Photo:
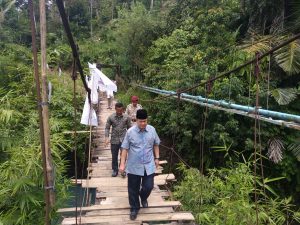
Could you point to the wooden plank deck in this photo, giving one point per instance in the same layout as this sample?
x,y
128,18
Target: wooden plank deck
x,y
149,217
112,207
160,204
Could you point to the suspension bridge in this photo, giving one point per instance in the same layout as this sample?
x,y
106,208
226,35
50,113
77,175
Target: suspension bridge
x,y
111,198
111,203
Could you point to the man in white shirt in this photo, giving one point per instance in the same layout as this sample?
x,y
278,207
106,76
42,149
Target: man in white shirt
x,y
110,96
133,107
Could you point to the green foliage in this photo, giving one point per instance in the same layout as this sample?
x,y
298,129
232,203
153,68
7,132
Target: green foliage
x,y
284,96
295,149
288,58
9,118
22,186
60,56
78,13
174,45
14,22
96,51
190,51
184,58
261,13
201,46
225,196
14,67
131,34
22,195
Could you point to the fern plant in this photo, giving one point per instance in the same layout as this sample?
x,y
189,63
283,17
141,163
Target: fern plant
x,y
295,149
288,57
284,96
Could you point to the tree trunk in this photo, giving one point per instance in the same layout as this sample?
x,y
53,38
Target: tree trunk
x,y
112,9
91,20
242,5
151,4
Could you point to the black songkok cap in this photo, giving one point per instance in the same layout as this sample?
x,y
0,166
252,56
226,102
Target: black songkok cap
x,y
141,114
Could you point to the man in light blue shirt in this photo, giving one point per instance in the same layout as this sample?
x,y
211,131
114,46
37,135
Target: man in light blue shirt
x,y
141,148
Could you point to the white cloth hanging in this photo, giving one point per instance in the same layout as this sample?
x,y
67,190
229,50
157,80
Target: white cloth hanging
x,y
104,83
93,85
98,80
102,87
109,94
89,116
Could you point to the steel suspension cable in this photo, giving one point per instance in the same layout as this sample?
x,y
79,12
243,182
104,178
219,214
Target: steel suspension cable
x,y
89,158
268,80
255,134
175,131
179,157
261,159
74,78
250,80
202,139
73,46
86,191
200,142
249,87
82,196
203,133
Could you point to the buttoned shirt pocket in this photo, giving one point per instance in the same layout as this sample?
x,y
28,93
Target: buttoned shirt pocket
x,y
150,140
136,142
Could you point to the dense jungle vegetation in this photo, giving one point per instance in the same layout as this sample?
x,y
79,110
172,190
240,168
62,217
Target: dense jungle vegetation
x,y
167,44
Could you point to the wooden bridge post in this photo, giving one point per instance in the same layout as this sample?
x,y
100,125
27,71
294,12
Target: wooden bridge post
x,y
47,158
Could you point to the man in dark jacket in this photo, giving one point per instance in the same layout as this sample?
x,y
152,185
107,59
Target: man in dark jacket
x,y
119,122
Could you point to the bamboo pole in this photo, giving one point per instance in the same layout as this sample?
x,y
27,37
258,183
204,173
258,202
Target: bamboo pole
x,y
44,104
39,98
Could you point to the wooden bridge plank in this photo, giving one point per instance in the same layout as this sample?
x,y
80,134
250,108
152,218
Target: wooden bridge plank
x,y
119,206
109,163
127,212
118,181
124,189
102,194
107,173
99,168
141,217
153,199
